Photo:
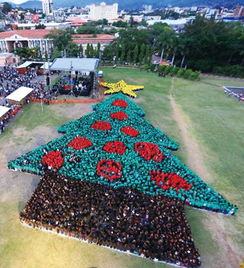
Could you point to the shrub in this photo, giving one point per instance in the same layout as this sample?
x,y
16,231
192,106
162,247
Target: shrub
x,y
187,74
181,72
175,70
161,68
168,69
231,70
195,75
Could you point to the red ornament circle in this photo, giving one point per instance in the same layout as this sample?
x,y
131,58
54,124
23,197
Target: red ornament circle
x,y
119,115
117,147
130,131
149,151
53,159
120,103
101,125
169,180
79,143
109,169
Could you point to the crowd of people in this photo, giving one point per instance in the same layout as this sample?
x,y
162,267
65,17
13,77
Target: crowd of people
x,y
75,86
13,110
154,227
10,80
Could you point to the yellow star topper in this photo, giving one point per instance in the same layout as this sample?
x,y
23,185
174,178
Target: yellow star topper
x,y
121,86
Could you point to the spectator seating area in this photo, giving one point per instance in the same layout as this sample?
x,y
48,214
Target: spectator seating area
x,y
237,92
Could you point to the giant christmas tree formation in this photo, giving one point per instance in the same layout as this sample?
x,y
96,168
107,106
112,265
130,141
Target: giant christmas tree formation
x,y
112,179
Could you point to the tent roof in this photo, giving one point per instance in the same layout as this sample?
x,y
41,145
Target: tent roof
x,y
3,110
45,65
28,63
25,64
19,94
75,64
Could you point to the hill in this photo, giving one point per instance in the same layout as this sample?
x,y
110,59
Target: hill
x,y
124,4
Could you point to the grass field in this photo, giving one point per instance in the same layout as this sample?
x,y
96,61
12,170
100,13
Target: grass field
x,y
209,128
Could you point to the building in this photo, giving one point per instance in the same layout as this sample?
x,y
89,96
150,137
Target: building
x,y
147,9
10,40
47,7
239,12
8,59
238,15
146,18
103,11
176,25
136,18
48,25
84,39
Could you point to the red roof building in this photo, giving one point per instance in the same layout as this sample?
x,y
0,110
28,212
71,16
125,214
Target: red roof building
x,y
10,40
84,39
32,34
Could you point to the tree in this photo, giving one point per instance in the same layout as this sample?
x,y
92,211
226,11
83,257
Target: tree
x,y
98,51
108,53
27,53
40,26
122,54
148,55
88,29
88,50
212,44
129,56
117,52
131,37
91,51
120,23
56,53
60,38
6,8
72,50
102,22
142,53
135,54
81,51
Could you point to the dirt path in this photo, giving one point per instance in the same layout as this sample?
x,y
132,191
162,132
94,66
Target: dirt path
x,y
229,254
192,148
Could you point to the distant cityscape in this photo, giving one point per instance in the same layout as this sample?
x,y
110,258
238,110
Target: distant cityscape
x,y
48,18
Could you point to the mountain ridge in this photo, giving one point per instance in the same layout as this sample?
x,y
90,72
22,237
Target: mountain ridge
x,y
125,4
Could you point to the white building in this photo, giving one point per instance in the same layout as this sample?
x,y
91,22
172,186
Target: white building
x,y
47,7
11,40
176,25
48,25
136,18
103,11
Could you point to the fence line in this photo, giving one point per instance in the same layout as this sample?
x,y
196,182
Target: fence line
x,y
65,100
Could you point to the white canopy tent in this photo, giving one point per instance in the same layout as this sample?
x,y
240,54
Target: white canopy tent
x,y
3,110
27,64
46,65
19,94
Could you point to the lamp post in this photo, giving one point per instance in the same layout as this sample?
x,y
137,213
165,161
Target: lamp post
x,y
48,74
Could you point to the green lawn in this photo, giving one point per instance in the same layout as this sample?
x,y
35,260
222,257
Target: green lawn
x,y
215,123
